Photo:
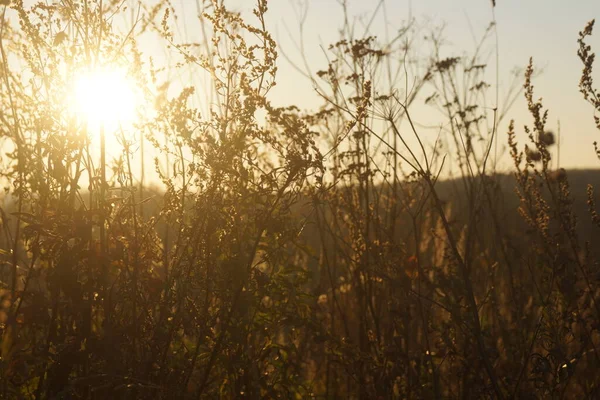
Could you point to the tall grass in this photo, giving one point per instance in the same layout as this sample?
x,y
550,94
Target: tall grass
x,y
284,253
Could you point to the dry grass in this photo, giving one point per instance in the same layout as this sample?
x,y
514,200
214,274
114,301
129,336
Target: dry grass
x,y
317,255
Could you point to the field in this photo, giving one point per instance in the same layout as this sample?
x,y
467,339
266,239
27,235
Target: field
x,y
170,232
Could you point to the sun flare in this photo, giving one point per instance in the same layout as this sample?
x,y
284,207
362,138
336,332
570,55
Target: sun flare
x,y
104,97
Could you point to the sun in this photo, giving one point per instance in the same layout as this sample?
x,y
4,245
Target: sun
x,y
104,97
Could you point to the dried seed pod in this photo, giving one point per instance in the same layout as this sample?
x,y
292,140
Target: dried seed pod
x,y
558,175
532,155
547,138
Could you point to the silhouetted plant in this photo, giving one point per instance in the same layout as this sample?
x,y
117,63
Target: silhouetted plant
x,y
283,253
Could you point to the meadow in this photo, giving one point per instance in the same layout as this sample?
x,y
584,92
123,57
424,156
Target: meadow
x,y
210,243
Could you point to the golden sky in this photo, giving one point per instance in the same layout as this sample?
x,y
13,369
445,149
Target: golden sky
x,y
546,30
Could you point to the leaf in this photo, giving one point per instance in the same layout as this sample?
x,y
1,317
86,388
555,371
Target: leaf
x,y
59,38
7,340
26,217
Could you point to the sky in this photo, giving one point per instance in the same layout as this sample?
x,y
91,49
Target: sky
x,y
546,30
